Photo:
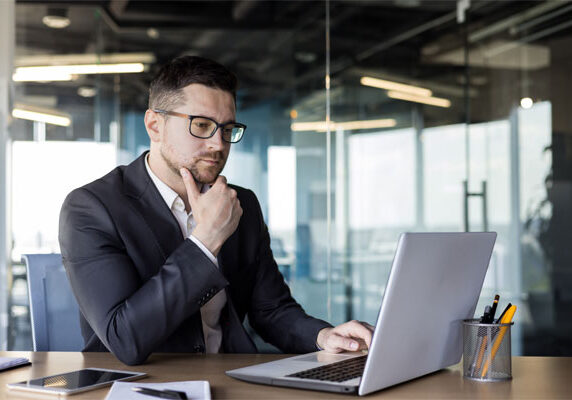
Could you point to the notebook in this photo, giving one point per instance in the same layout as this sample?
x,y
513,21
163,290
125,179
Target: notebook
x,y
13,362
193,389
433,285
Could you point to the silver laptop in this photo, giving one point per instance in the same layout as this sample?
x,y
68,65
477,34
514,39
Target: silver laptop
x,y
434,284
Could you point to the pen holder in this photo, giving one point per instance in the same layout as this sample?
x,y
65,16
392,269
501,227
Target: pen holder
x,y
486,351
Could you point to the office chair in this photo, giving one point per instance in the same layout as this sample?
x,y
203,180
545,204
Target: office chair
x,y
53,308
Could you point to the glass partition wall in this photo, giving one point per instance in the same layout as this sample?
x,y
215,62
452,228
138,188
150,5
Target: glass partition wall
x,y
472,136
365,120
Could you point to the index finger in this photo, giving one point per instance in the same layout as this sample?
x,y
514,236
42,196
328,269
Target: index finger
x,y
190,184
357,330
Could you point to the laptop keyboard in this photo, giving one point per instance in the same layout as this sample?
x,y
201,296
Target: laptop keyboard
x,y
340,371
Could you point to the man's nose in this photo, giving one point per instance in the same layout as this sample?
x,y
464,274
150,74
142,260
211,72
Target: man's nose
x,y
215,142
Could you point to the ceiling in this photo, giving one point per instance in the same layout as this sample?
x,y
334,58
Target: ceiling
x,y
277,48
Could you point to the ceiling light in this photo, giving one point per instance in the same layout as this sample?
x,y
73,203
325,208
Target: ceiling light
x,y
56,18
30,76
389,85
86,69
433,101
86,91
320,126
38,115
305,57
366,124
526,102
153,33
32,60
50,72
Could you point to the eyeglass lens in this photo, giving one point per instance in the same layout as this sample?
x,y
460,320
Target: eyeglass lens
x,y
204,128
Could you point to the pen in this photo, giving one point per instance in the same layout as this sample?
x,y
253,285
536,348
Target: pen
x,y
493,309
506,319
162,394
486,314
481,344
499,319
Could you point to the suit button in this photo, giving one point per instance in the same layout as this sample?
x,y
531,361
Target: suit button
x,y
199,349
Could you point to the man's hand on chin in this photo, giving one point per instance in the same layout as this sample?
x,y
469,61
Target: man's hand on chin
x,y
349,336
217,212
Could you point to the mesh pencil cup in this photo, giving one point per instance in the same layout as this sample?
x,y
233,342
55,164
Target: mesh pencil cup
x,y
486,351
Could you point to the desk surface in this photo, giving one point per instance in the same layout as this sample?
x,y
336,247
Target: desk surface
x,y
534,377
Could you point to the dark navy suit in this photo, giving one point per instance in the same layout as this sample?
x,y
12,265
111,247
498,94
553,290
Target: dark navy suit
x,y
140,285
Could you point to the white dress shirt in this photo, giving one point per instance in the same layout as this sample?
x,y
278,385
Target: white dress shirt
x,y
210,312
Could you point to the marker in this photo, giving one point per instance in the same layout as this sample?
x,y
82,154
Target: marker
x,y
486,314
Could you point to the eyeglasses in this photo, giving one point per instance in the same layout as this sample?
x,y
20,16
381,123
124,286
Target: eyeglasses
x,y
205,127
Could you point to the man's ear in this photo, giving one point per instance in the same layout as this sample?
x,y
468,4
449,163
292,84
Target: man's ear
x,y
153,125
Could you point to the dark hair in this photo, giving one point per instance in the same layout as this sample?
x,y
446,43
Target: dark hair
x,y
166,87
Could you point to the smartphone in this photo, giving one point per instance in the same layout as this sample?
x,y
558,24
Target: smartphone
x,y
75,381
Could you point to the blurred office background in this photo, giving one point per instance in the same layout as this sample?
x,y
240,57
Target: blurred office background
x,y
479,138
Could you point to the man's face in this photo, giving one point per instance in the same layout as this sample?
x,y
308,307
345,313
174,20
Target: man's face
x,y
205,158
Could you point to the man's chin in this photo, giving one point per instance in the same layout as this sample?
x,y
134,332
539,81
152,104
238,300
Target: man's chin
x,y
205,178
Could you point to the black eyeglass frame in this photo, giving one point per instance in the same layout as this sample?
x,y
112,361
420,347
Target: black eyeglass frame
x,y
217,125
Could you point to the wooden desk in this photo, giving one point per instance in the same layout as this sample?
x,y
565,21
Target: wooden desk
x,y
534,377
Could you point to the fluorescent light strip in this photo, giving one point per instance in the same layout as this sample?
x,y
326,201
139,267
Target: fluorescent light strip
x,y
44,73
84,69
82,59
366,124
26,76
320,126
433,101
41,117
400,87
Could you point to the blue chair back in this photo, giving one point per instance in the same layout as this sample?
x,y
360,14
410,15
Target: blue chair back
x,y
53,308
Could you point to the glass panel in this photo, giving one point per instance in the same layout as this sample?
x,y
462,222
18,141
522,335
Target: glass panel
x,y
377,161
405,162
504,132
517,65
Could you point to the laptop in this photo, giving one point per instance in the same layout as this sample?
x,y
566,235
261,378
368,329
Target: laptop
x,y
434,284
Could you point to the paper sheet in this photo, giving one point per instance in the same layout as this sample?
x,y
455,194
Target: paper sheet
x,y
11,362
193,389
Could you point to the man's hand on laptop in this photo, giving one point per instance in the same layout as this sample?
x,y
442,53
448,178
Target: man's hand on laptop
x,y
349,336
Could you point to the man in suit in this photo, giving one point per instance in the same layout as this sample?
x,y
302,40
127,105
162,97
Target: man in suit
x,y
164,256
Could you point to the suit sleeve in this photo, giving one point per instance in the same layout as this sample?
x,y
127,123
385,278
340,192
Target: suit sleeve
x,y
130,316
274,313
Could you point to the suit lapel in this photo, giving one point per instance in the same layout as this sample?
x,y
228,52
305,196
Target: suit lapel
x,y
147,200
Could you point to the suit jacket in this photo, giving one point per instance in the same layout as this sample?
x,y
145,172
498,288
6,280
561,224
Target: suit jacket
x,y
140,285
